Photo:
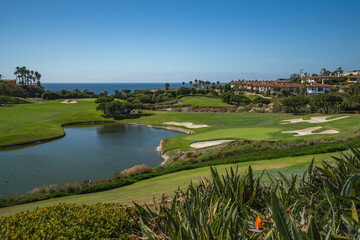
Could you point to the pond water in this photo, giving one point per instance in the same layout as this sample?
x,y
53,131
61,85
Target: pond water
x,y
85,153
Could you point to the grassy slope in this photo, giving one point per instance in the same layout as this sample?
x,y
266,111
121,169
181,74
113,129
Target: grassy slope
x,y
202,102
245,126
30,122
143,191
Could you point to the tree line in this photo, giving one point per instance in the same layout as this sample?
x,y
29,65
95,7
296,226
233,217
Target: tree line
x,y
26,76
325,103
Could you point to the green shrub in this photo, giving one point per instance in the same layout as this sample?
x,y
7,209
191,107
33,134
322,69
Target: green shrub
x,y
50,95
70,221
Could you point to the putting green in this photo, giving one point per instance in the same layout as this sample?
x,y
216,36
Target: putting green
x,y
235,133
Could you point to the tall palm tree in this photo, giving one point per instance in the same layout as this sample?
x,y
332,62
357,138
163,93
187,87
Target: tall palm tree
x,y
0,76
323,72
339,70
28,77
167,85
191,83
16,73
38,76
183,83
23,75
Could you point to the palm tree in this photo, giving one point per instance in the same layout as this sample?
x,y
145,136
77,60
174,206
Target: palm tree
x,y
16,73
167,85
207,83
339,70
191,83
0,76
27,77
183,83
323,72
37,77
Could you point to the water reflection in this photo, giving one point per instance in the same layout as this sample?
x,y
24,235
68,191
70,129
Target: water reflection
x,y
93,152
111,129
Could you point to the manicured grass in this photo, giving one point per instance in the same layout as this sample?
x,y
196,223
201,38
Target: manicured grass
x,y
29,122
202,102
144,191
251,97
247,126
237,133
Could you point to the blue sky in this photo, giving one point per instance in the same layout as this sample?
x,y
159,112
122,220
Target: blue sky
x,y
175,41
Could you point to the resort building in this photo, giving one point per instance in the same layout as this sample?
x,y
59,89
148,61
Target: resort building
x,y
353,73
353,78
316,88
275,87
317,79
8,81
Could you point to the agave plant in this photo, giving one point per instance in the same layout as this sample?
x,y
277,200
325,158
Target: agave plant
x,y
322,204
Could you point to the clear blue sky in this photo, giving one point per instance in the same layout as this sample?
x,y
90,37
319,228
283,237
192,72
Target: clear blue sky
x,y
177,40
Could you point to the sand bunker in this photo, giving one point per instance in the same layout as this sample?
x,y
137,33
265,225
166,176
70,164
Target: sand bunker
x,y
186,124
208,143
309,131
314,119
68,101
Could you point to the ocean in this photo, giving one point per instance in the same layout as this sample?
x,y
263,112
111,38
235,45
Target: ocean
x,y
110,87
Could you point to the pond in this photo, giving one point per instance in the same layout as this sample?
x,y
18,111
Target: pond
x,y
85,153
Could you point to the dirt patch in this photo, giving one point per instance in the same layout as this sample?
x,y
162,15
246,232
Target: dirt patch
x,y
186,124
314,119
68,101
309,131
208,143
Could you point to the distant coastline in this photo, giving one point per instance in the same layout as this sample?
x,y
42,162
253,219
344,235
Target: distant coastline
x,y
110,87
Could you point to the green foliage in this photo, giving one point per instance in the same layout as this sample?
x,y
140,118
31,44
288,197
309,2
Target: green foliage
x,y
295,104
329,102
199,101
12,100
352,98
261,101
13,90
185,91
104,98
116,109
235,99
76,93
336,81
70,221
235,206
50,95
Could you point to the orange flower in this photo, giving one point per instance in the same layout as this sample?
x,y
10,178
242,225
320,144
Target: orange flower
x,y
258,222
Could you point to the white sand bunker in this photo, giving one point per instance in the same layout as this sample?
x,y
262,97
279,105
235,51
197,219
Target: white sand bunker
x,y
186,124
314,119
68,101
309,131
208,143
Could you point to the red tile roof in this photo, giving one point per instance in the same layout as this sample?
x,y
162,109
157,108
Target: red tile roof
x,y
333,76
319,85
